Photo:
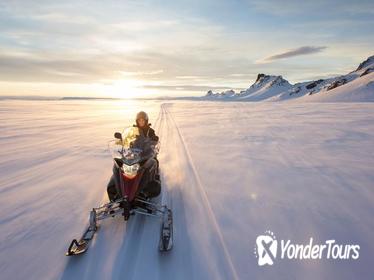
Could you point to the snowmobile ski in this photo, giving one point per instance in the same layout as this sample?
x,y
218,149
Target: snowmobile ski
x,y
166,237
81,246
115,208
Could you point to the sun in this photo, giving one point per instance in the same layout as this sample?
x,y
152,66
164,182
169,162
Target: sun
x,y
124,88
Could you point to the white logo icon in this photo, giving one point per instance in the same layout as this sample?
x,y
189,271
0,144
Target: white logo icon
x,y
266,248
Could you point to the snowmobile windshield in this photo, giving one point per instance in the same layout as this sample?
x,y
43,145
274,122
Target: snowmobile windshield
x,y
134,147
129,136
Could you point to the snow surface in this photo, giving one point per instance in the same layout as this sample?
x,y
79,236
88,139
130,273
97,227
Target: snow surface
x,y
230,171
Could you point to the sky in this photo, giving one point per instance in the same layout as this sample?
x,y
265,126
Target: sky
x,y
156,48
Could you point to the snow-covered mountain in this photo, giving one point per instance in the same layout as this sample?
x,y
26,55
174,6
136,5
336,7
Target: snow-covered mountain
x,y
358,85
265,87
358,90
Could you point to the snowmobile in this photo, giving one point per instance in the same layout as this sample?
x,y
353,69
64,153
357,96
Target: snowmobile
x,y
131,190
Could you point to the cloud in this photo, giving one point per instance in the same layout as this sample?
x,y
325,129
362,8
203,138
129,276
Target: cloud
x,y
92,42
305,50
187,87
321,7
85,65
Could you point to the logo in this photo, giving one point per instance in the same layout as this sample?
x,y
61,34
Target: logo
x,y
266,248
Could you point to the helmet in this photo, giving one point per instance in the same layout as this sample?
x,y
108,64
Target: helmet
x,y
142,115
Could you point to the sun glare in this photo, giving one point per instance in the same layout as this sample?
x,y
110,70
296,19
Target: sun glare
x,y
124,89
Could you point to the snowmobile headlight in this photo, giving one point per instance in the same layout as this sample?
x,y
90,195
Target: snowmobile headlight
x,y
130,171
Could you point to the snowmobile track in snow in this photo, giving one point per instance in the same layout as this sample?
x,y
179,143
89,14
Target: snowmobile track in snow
x,y
200,193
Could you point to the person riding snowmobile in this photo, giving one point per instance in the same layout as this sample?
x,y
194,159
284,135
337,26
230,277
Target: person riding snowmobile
x,y
133,185
145,128
153,187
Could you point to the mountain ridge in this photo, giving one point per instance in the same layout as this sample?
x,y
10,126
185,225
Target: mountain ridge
x,y
276,88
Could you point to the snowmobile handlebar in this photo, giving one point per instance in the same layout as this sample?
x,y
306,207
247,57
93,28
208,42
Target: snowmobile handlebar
x,y
118,135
